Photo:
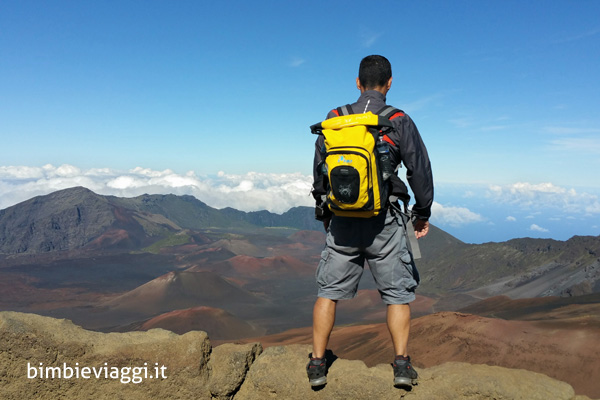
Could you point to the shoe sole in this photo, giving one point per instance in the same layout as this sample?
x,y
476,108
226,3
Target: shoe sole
x,y
318,382
404,382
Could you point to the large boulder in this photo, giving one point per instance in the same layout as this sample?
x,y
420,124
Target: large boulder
x,y
280,373
169,365
229,363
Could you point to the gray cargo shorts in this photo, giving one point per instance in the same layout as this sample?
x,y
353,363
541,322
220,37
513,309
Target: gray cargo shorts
x,y
381,242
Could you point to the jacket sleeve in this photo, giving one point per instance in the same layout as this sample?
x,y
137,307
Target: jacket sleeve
x,y
409,149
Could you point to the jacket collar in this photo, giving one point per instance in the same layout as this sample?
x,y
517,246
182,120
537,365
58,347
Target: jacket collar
x,y
371,95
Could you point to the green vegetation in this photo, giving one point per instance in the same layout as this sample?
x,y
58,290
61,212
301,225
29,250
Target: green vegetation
x,y
176,239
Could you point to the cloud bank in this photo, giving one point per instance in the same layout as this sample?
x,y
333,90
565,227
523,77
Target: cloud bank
x,y
249,192
545,196
453,216
275,192
252,191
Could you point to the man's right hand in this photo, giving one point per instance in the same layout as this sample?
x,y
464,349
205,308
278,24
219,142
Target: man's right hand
x,y
421,228
326,222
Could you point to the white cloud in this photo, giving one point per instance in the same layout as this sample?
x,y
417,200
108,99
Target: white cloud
x,y
568,130
297,61
453,216
544,195
492,128
251,191
577,144
582,35
20,172
511,218
462,122
422,102
576,139
593,207
537,228
368,37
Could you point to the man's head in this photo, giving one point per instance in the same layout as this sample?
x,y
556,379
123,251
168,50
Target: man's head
x,y
374,73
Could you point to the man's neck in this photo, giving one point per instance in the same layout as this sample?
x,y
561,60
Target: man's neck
x,y
381,89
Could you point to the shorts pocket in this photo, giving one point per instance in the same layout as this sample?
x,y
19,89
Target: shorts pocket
x,y
410,266
322,269
406,257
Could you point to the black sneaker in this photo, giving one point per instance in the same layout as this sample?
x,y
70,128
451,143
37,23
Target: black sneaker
x,y
317,371
405,375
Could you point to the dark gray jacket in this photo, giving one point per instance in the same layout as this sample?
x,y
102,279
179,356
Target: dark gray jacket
x,y
407,149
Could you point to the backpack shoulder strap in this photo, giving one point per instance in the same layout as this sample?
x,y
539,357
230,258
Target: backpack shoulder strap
x,y
317,129
390,112
344,110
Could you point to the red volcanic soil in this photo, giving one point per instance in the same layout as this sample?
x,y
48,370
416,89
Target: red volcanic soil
x,y
118,238
368,307
239,247
198,255
422,305
248,267
218,323
182,289
308,237
270,266
583,310
565,352
19,292
570,353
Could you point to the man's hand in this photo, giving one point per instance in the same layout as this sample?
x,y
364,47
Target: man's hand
x,y
421,228
326,222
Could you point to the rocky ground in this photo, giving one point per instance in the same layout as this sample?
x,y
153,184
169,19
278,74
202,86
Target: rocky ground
x,y
186,366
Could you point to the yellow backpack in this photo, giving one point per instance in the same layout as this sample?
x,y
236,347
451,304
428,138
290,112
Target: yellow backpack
x,y
355,161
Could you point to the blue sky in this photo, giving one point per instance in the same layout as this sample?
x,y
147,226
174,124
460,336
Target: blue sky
x,y
215,99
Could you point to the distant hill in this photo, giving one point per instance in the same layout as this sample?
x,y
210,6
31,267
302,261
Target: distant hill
x,y
183,289
576,310
65,220
77,218
221,324
518,268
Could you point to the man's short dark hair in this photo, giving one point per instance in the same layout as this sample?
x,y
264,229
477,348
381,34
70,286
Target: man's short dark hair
x,y
374,71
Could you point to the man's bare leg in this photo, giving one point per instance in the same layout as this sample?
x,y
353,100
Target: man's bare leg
x,y
398,322
323,321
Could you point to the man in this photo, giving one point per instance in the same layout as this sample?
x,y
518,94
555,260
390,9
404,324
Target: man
x,y
380,240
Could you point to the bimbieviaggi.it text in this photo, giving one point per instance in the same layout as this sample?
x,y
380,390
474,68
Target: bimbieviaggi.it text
x,y
123,374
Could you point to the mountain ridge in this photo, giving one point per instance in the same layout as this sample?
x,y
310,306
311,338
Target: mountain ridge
x,y
76,222
75,218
